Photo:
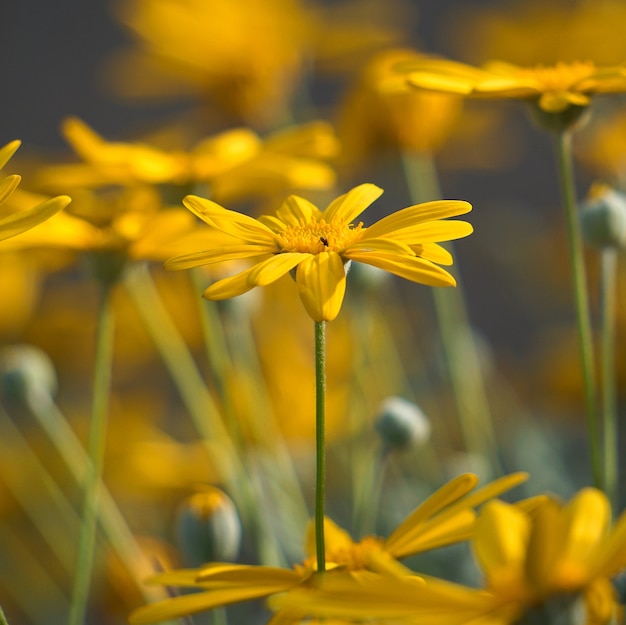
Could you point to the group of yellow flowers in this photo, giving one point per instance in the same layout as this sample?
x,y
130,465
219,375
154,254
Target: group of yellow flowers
x,y
542,561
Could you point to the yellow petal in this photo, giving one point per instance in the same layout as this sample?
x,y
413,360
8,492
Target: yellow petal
x,y
350,205
434,252
440,499
296,211
500,545
7,151
381,245
233,223
408,267
414,215
321,281
230,287
85,141
19,222
198,602
275,267
234,575
431,603
8,185
335,538
432,232
586,523
217,255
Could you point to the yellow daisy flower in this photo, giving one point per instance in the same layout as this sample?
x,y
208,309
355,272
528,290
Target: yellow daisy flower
x,y
236,163
444,518
319,245
554,87
540,563
16,222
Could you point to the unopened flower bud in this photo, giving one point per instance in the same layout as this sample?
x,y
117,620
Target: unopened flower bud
x,y
26,370
208,528
603,217
402,424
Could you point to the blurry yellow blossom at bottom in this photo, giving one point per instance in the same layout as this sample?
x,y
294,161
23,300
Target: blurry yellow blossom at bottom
x,y
318,245
16,222
444,518
552,559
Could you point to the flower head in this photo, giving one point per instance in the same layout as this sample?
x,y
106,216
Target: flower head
x,y
444,518
554,87
16,222
319,245
537,560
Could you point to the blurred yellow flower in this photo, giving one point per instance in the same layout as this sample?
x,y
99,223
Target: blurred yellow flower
x,y
526,32
372,118
320,244
553,560
19,221
555,88
444,518
246,57
236,163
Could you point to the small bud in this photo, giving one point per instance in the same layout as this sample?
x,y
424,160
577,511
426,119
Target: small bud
x,y
603,217
26,370
402,424
208,528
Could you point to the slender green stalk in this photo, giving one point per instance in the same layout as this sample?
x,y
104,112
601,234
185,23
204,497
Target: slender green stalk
x,y
111,519
3,619
320,447
201,406
457,339
607,355
96,447
563,145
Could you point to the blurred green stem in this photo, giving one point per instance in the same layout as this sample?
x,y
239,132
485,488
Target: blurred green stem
x,y
607,346
563,146
200,404
3,619
320,447
457,339
71,450
96,447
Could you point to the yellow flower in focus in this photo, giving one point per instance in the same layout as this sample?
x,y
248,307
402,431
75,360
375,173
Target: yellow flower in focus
x,y
318,245
372,117
17,222
551,562
555,88
444,518
236,163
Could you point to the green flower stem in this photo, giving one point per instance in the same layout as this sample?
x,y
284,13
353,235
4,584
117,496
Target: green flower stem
x,y
457,339
563,145
96,448
200,404
607,355
3,619
40,497
320,447
113,523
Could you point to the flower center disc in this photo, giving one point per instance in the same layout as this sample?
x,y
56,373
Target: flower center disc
x,y
317,237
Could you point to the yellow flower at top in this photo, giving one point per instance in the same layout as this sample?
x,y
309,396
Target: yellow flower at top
x,y
446,517
555,88
539,563
319,245
371,118
244,57
17,222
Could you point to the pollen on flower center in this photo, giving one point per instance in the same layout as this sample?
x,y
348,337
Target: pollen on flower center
x,y
318,236
561,76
